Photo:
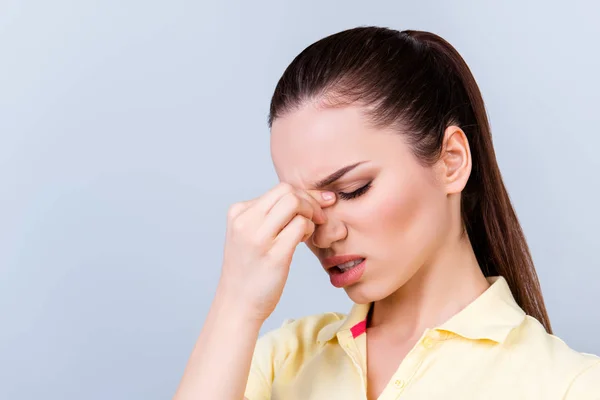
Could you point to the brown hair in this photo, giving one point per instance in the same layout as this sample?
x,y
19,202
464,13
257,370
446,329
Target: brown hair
x,y
418,82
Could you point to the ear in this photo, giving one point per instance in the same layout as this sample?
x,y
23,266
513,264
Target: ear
x,y
455,161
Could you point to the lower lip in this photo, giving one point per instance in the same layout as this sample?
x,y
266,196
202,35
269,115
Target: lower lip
x,y
342,279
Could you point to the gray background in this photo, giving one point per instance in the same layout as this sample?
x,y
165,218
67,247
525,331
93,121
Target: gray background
x,y
128,128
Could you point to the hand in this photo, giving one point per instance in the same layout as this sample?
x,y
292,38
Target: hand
x,y
262,235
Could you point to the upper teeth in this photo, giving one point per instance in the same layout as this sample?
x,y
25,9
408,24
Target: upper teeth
x,y
350,264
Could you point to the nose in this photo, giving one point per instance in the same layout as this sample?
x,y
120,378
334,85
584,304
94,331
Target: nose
x,y
330,232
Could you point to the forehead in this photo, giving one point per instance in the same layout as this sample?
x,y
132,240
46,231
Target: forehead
x,y
311,142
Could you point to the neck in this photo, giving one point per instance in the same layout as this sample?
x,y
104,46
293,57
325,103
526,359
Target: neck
x,y
440,289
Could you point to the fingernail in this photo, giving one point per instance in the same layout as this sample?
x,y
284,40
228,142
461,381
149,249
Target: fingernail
x,y
328,195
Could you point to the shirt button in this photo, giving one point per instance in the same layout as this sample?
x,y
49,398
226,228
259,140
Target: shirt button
x,y
399,383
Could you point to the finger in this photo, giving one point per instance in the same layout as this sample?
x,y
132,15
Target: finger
x,y
256,209
325,198
319,215
309,232
282,213
267,201
292,235
235,210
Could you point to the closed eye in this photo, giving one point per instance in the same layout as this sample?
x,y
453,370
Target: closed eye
x,y
356,193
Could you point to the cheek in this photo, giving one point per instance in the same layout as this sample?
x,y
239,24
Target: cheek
x,y
406,216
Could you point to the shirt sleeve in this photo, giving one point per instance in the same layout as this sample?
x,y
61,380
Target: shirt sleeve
x,y
265,362
260,379
586,385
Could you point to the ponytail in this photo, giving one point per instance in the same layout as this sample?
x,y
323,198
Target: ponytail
x,y
489,217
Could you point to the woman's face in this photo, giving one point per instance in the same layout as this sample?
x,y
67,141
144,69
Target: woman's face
x,y
390,209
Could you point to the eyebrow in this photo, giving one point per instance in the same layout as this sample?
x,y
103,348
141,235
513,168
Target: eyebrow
x,y
323,183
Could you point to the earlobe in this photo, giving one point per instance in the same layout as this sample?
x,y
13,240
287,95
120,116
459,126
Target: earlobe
x,y
456,159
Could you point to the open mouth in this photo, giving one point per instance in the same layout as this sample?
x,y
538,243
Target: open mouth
x,y
347,266
348,273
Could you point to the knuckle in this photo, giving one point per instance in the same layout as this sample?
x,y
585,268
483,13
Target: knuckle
x,y
306,222
257,241
309,230
293,202
302,222
286,187
238,225
234,210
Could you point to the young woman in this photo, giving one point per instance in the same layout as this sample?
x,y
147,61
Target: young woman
x,y
382,145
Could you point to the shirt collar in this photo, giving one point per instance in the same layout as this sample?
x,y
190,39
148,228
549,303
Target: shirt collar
x,y
357,315
491,316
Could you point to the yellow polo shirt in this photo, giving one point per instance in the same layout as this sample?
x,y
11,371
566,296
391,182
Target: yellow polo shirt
x,y
489,350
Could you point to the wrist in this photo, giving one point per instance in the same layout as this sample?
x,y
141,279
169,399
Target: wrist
x,y
228,304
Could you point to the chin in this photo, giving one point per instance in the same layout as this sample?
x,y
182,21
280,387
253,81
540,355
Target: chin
x,y
369,291
366,292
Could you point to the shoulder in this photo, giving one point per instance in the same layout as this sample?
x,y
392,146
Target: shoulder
x,y
586,384
297,335
550,359
534,339
283,351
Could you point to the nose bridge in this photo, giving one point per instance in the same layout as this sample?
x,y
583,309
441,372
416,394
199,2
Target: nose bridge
x,y
331,231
